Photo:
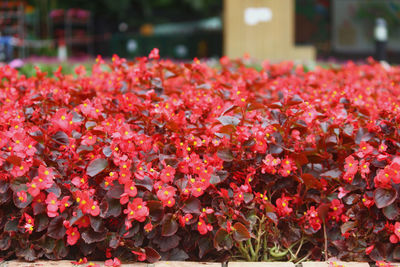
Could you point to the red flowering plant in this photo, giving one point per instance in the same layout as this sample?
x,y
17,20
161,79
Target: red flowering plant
x,y
151,159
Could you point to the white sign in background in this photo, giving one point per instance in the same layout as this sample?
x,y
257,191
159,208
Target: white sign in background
x,y
255,15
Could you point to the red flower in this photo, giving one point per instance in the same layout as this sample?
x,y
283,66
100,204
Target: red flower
x,y
312,219
80,261
367,201
94,209
364,168
282,206
148,227
22,196
203,228
33,189
137,210
336,209
167,174
88,139
154,54
369,249
166,195
29,223
364,150
113,262
383,177
141,255
269,164
198,189
64,203
52,205
130,189
183,220
72,235
351,165
62,119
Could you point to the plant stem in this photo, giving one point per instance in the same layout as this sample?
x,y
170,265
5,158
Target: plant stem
x,y
244,252
250,245
325,243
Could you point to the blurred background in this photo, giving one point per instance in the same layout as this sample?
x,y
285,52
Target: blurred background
x,y
183,29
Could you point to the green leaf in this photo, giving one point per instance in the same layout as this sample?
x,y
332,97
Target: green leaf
x,y
96,166
240,232
384,197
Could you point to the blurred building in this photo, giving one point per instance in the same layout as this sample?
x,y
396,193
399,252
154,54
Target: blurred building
x,y
184,29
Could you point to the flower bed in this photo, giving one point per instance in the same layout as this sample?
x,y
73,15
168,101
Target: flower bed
x,y
156,160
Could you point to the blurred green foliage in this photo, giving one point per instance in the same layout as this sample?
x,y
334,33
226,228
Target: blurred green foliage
x,y
137,12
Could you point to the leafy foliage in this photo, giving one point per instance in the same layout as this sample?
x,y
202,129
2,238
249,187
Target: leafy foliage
x,y
151,159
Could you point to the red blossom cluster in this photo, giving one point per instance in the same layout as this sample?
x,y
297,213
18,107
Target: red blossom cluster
x,y
154,159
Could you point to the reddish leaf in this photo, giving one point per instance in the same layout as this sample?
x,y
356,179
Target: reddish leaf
x,y
192,205
56,228
310,181
152,255
169,226
91,236
240,232
229,120
225,155
323,210
156,210
392,211
61,138
347,226
96,166
222,240
384,197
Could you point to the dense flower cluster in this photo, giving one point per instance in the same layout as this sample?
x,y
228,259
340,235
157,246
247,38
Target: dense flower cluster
x,y
152,159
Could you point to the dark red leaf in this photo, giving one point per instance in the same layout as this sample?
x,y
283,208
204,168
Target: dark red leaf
x,y
96,166
192,205
384,197
61,138
56,228
222,240
310,181
392,211
169,226
152,255
225,155
90,236
228,120
240,232
156,210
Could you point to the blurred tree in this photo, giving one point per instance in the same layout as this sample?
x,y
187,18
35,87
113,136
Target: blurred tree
x,y
137,12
